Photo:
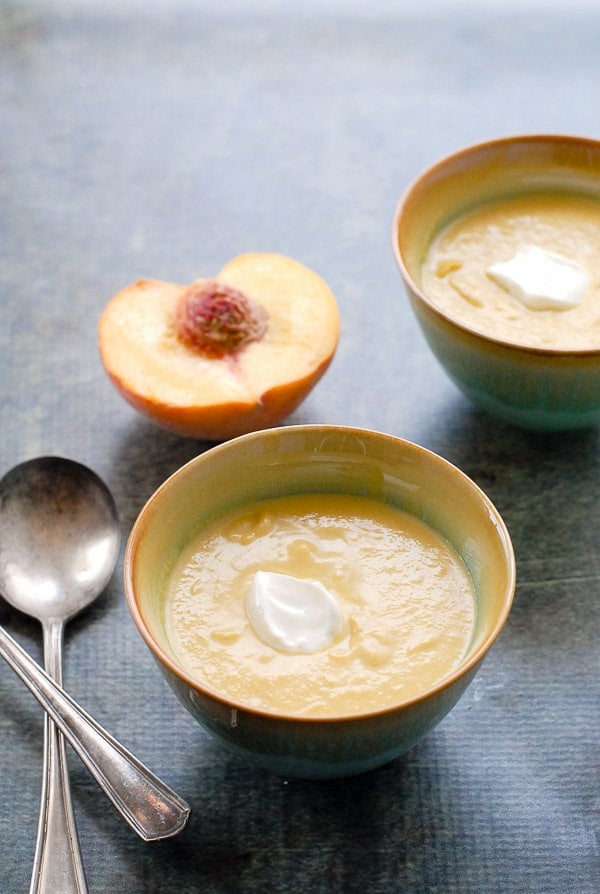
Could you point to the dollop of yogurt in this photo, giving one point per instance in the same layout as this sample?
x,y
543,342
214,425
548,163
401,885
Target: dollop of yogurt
x,y
542,280
292,614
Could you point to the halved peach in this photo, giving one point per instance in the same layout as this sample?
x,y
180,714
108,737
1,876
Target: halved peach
x,y
223,356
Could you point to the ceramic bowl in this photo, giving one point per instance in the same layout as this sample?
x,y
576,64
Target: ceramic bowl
x,y
306,459
533,388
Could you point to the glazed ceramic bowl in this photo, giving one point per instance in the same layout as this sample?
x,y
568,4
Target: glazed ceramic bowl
x,y
308,459
533,388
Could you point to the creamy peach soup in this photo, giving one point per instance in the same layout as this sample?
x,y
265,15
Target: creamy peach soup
x,y
319,605
523,269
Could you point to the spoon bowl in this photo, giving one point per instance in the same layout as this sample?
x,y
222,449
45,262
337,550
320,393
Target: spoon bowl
x,y
59,538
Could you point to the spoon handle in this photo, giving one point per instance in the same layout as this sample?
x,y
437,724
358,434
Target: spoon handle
x,y
152,809
57,865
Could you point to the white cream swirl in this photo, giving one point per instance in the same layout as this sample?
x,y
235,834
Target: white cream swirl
x,y
292,614
542,280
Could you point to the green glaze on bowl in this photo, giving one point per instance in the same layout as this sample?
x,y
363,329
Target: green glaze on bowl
x,y
539,389
308,459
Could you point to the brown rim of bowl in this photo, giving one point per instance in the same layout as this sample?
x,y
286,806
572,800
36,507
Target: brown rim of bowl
x,y
436,166
444,683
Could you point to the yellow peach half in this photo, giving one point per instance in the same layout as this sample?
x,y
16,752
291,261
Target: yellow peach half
x,y
251,384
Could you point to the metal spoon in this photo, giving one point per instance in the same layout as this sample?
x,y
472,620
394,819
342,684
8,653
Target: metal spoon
x,y
59,542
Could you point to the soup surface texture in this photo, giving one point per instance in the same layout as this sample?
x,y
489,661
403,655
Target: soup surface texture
x,y
456,271
407,599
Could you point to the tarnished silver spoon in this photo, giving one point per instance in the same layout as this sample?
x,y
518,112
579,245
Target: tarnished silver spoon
x,y
59,542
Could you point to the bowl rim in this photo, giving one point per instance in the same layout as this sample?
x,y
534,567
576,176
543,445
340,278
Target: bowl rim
x,y
462,670
439,165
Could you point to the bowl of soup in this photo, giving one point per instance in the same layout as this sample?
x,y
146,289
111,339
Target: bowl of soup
x,y
497,246
319,597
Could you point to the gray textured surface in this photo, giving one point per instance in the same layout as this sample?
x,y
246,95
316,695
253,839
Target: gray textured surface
x,y
161,139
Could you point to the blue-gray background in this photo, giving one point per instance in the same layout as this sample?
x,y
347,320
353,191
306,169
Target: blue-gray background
x,y
160,139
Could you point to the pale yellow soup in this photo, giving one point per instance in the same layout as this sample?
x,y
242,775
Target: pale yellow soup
x,y
408,602
454,275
